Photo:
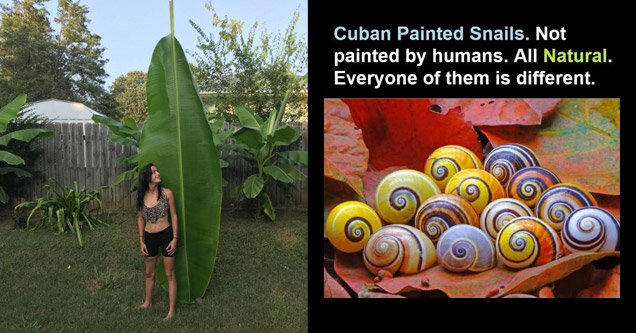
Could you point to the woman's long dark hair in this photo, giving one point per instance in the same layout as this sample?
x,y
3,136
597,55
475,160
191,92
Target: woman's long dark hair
x,y
145,174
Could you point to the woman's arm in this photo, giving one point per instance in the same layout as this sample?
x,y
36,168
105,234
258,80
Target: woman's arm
x,y
173,213
140,224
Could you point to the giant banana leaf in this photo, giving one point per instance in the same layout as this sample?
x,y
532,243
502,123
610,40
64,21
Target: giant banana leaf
x,y
176,137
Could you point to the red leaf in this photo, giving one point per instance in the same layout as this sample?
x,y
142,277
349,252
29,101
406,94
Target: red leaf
x,y
611,203
494,112
405,132
345,155
332,288
580,142
609,288
496,282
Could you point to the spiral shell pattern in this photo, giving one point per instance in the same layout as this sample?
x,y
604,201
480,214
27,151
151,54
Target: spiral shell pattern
x,y
446,161
559,201
476,186
443,211
505,160
466,248
399,248
499,213
528,184
591,229
400,194
527,241
350,224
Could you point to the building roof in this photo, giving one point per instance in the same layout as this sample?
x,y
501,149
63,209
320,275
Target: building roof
x,y
63,111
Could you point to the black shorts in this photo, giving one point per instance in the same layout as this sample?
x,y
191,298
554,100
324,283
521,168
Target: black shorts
x,y
156,240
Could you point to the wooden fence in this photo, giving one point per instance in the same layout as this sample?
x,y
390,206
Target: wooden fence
x,y
81,152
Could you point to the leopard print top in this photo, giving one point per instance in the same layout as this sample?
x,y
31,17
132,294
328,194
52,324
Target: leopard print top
x,y
159,210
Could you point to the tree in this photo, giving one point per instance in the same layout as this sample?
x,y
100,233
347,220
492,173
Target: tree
x,y
129,93
27,52
83,62
68,66
234,70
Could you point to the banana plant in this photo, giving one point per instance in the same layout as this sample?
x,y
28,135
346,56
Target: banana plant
x,y
127,134
219,138
8,113
256,140
176,137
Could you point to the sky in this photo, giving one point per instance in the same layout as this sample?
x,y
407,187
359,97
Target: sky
x,y
130,29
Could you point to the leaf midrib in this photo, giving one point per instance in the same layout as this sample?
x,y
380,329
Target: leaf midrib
x,y
179,152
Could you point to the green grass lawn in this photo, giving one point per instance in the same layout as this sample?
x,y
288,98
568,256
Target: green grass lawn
x,y
48,283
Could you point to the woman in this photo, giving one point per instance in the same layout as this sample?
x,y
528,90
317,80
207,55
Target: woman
x,y
153,204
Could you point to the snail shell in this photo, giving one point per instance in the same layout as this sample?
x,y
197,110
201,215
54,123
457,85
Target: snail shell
x,y
465,247
477,186
528,184
443,211
400,194
505,160
527,241
350,224
399,248
559,201
446,161
499,213
591,229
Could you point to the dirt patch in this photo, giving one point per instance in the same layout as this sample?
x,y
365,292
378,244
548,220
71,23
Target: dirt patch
x,y
93,285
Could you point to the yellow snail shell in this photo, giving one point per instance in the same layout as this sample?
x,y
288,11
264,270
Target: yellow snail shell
x,y
443,211
528,241
559,201
591,229
477,186
400,194
399,248
466,248
499,213
350,224
446,161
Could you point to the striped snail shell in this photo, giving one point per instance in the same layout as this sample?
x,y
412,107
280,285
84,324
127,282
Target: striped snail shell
x,y
505,160
443,211
591,229
528,184
499,213
399,248
446,161
477,186
400,193
527,241
466,248
559,201
350,224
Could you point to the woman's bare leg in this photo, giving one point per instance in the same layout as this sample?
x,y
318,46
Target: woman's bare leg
x,y
168,263
151,262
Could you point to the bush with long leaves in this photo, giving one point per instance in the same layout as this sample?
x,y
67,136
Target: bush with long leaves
x,y
66,208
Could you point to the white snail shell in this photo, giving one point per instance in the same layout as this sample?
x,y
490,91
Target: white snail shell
x,y
591,229
499,213
466,248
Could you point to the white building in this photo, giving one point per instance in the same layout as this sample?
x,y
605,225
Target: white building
x,y
63,111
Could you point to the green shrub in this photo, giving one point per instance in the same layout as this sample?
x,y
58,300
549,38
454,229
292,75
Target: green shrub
x,y
68,208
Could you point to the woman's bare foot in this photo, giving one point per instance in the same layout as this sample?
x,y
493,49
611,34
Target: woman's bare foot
x,y
145,305
170,315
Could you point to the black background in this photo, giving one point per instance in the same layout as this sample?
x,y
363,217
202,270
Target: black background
x,y
584,32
